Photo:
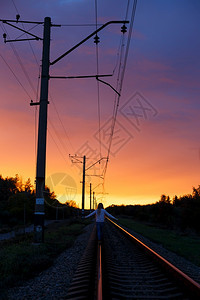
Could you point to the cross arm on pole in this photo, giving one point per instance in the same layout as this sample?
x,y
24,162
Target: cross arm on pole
x,y
95,163
17,21
97,186
95,176
87,38
97,78
81,76
76,158
35,36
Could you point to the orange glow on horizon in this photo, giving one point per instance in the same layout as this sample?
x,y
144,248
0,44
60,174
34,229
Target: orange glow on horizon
x,y
155,149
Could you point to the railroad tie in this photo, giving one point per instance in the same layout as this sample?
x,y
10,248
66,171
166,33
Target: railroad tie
x,y
83,283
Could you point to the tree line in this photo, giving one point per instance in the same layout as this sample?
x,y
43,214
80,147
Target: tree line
x,y
17,203
180,213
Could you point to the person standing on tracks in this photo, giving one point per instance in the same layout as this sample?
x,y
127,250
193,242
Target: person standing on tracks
x,y
100,213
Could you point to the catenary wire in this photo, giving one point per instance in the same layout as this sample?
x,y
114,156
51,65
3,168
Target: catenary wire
x,y
19,82
121,52
60,120
63,156
123,71
116,106
33,53
98,88
36,93
121,84
38,81
119,61
25,90
81,25
122,76
20,62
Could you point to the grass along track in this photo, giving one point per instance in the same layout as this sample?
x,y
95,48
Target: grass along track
x,y
187,246
21,260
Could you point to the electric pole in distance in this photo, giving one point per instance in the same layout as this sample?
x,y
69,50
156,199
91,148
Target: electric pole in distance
x,y
90,197
93,200
76,159
83,187
79,159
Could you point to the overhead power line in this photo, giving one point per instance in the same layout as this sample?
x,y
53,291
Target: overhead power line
x,y
20,62
96,41
81,25
56,110
120,81
120,77
16,77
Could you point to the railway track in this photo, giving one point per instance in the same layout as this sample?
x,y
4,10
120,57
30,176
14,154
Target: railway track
x,y
122,267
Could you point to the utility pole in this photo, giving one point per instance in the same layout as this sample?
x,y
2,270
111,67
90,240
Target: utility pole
x,y
42,128
90,197
93,200
42,133
83,186
82,160
76,159
41,152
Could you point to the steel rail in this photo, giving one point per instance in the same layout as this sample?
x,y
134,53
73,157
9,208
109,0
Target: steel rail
x,y
190,284
99,278
87,280
84,282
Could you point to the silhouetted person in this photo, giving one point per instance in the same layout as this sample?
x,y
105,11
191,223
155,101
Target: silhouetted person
x,y
100,216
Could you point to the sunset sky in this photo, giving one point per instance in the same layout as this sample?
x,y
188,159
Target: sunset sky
x,y
156,146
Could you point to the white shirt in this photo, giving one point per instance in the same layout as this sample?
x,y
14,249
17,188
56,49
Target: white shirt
x,y
100,217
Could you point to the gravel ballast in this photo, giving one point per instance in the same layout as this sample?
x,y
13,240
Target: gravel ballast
x,y
181,263
54,282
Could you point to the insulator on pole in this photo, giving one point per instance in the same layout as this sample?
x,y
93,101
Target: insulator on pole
x,y
96,39
4,37
124,29
17,17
